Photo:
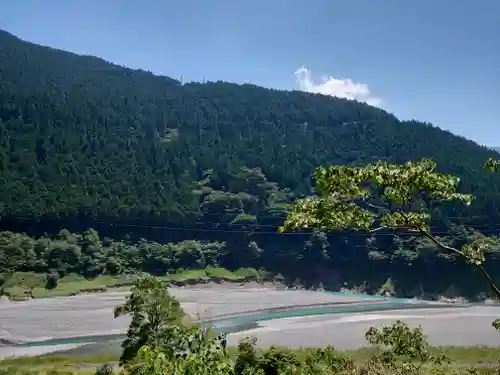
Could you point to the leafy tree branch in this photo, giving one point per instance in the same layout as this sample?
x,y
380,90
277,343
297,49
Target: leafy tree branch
x,y
384,196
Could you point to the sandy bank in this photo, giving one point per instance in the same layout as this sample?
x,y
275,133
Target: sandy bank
x,y
92,314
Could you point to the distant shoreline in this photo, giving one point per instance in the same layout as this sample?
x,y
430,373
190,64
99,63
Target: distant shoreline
x,y
196,278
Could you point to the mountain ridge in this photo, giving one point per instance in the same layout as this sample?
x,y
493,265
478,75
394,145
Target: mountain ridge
x,y
139,107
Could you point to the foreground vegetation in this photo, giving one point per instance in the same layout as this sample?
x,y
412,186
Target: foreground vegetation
x,y
461,358
87,144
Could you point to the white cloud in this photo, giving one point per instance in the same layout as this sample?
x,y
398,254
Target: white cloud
x,y
341,88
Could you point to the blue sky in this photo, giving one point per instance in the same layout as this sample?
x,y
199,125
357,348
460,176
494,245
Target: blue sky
x,y
432,60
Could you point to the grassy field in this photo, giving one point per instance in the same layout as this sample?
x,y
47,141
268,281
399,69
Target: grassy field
x,y
217,274
61,364
22,285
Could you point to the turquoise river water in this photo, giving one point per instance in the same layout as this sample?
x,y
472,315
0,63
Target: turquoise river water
x,y
238,323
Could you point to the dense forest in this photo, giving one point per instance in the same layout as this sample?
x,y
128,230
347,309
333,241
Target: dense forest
x,y
88,144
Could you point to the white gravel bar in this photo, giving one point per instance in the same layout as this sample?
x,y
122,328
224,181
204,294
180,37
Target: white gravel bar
x,y
92,315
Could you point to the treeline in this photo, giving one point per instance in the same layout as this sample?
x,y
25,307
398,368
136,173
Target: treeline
x,y
89,255
315,262
80,138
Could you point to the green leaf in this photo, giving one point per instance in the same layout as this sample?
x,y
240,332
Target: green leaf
x,y
492,164
374,196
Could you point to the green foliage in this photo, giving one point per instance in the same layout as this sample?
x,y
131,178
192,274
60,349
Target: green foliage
x,y
492,164
496,324
400,342
248,358
388,288
373,197
52,280
385,196
328,360
397,349
89,255
105,369
156,318
193,353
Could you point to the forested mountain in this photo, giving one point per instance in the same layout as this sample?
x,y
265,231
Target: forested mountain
x,y
85,143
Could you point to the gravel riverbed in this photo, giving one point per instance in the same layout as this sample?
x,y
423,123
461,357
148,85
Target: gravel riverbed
x,y
92,315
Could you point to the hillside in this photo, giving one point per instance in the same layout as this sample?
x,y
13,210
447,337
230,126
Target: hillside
x,y
85,143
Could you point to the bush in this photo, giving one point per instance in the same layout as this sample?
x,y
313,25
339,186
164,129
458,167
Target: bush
x,y
106,369
51,282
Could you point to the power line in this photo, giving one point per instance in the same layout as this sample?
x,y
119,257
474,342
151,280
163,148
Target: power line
x,y
255,227
283,216
277,217
254,231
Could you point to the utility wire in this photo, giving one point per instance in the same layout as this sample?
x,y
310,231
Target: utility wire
x,y
254,230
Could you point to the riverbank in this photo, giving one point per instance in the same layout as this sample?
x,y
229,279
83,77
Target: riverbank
x,y
22,286
92,314
292,318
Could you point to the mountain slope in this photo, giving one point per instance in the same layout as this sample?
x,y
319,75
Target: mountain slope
x,y
82,136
